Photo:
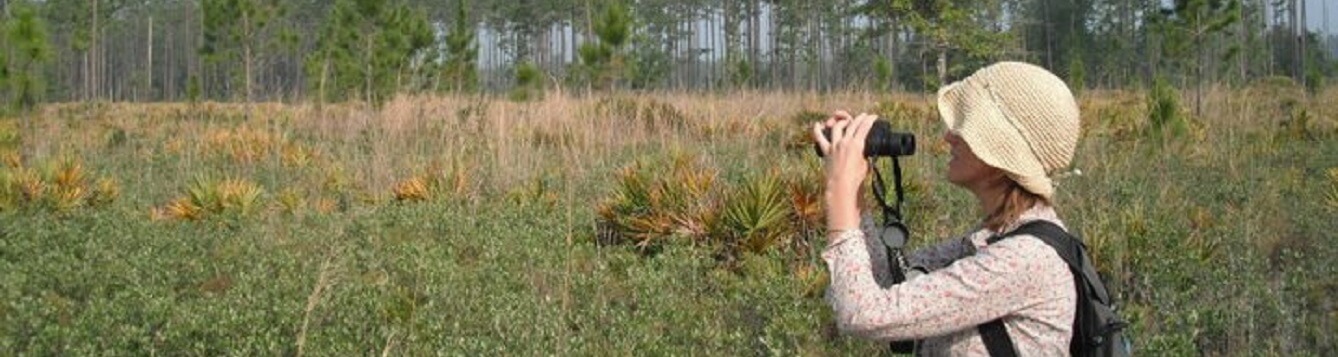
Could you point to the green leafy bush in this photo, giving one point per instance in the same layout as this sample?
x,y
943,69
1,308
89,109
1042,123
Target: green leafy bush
x,y
529,84
1165,117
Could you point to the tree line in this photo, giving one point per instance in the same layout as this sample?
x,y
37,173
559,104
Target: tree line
x,y
371,50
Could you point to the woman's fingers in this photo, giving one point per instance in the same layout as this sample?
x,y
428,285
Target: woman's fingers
x,y
839,133
842,115
845,132
837,116
824,145
860,132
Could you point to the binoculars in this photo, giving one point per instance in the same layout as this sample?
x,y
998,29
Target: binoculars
x,y
882,141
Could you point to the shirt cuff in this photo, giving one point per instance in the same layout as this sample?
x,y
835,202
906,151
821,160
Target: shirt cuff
x,y
840,237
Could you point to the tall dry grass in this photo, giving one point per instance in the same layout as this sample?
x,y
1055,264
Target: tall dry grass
x,y
503,144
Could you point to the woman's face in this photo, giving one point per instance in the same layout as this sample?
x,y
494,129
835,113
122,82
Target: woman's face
x,y
965,169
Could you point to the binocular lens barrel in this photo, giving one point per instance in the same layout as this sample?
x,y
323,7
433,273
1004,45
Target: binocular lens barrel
x,y
882,141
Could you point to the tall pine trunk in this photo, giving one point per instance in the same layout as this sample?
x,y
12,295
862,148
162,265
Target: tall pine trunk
x,y
942,65
246,54
148,90
93,56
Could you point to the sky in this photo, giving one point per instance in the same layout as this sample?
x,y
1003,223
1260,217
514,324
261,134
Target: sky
x,y
1315,15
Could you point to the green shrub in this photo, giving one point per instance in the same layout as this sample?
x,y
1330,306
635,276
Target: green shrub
x,y
883,76
1077,73
1164,113
529,84
740,73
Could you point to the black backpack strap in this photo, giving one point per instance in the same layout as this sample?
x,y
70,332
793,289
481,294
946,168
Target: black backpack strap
x,y
1070,249
994,333
996,339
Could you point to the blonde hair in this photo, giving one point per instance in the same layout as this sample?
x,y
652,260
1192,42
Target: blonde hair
x,y
1016,200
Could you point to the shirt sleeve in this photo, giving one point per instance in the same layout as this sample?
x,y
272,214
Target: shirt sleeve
x,y
971,291
930,258
937,256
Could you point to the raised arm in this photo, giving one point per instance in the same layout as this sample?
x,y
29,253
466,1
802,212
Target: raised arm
x,y
967,293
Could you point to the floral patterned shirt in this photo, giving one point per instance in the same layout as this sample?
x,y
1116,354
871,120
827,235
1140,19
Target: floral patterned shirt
x,y
1021,279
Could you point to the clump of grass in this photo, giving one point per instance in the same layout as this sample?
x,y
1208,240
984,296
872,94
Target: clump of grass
x,y
298,155
652,114
554,138
231,197
242,144
1299,123
756,216
179,208
9,142
11,159
59,186
325,205
655,201
290,201
412,189
812,279
1119,115
20,188
799,130
805,199
1282,102
106,191
539,190
435,183
682,199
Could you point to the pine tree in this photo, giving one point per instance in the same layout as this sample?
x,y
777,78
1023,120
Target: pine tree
x,y
235,33
372,49
1189,28
27,34
460,72
948,27
604,61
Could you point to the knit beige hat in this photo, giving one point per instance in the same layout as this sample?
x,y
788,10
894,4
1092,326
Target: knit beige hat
x,y
1016,117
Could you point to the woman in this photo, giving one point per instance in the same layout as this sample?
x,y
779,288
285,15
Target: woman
x,y
1010,126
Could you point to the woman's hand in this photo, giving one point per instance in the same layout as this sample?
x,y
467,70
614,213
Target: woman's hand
x,y
844,166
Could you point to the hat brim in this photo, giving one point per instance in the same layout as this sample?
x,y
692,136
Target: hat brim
x,y
968,110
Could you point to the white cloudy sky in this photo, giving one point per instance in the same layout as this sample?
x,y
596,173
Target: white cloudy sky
x,y
1315,15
